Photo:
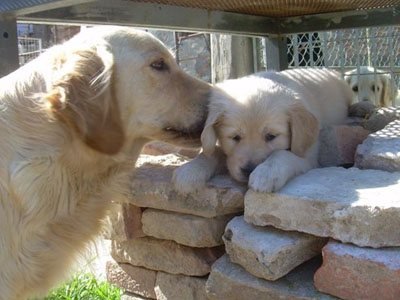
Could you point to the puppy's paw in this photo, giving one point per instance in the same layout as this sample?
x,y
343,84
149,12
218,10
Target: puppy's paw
x,y
187,179
267,179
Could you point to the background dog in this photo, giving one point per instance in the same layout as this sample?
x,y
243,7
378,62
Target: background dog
x,y
72,124
267,127
370,87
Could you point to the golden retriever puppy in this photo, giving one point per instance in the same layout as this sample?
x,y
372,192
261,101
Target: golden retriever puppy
x,y
267,127
370,87
72,124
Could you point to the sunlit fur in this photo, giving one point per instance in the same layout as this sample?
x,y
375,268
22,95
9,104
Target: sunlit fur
x,y
291,106
72,124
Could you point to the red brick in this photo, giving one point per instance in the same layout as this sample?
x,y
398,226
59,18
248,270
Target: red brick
x,y
338,144
353,273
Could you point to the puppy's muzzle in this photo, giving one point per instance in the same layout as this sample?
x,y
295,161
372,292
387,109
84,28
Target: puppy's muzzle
x,y
247,169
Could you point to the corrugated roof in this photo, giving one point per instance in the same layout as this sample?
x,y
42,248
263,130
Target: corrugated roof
x,y
280,8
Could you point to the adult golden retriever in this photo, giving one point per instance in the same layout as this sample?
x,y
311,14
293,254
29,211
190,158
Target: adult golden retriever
x,y
267,126
72,124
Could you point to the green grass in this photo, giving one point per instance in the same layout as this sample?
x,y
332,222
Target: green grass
x,y
85,287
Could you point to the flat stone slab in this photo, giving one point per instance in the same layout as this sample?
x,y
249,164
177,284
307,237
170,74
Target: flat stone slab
x,y
129,296
381,117
351,205
152,188
338,144
185,229
139,281
381,150
124,222
167,256
355,273
180,287
267,252
229,281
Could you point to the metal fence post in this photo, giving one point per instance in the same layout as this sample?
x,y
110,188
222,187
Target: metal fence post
x,y
276,53
8,45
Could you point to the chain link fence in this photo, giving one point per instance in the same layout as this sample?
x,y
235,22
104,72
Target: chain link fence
x,y
350,50
28,48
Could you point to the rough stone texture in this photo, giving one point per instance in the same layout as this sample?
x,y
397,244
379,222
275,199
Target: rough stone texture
x,y
133,279
354,273
179,287
167,256
185,229
381,150
160,148
229,281
350,205
380,117
338,144
125,222
152,188
267,252
129,296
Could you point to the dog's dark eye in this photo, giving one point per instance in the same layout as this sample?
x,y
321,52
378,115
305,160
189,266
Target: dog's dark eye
x,y
237,138
375,87
355,88
159,65
269,137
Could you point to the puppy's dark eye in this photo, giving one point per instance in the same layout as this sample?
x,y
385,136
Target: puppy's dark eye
x,y
159,65
269,137
375,87
355,88
237,138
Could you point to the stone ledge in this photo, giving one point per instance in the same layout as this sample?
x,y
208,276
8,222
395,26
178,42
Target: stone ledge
x,y
167,256
152,188
350,205
361,273
267,252
179,287
381,150
133,279
188,230
229,281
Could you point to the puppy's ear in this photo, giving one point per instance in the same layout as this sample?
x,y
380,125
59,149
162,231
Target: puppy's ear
x,y
209,134
304,129
386,96
82,96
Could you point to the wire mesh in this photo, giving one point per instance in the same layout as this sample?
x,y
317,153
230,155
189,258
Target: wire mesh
x,y
351,49
28,48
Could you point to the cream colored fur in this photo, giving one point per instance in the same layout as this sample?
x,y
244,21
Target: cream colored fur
x,y
371,87
267,126
72,124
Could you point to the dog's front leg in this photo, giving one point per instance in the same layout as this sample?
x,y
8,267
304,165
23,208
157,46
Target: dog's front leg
x,y
193,175
277,170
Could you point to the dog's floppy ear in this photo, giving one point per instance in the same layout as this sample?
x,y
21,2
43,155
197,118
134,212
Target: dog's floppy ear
x,y
209,135
386,96
82,96
304,129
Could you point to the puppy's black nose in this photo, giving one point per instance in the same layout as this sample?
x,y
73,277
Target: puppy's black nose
x,y
247,169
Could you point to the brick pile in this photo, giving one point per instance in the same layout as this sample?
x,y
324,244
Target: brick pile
x,y
352,214
273,251
164,243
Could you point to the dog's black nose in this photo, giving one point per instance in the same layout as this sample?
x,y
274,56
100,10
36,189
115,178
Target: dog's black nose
x,y
247,169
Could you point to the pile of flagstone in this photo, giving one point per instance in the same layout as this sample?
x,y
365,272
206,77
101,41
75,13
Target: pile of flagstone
x,y
169,246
